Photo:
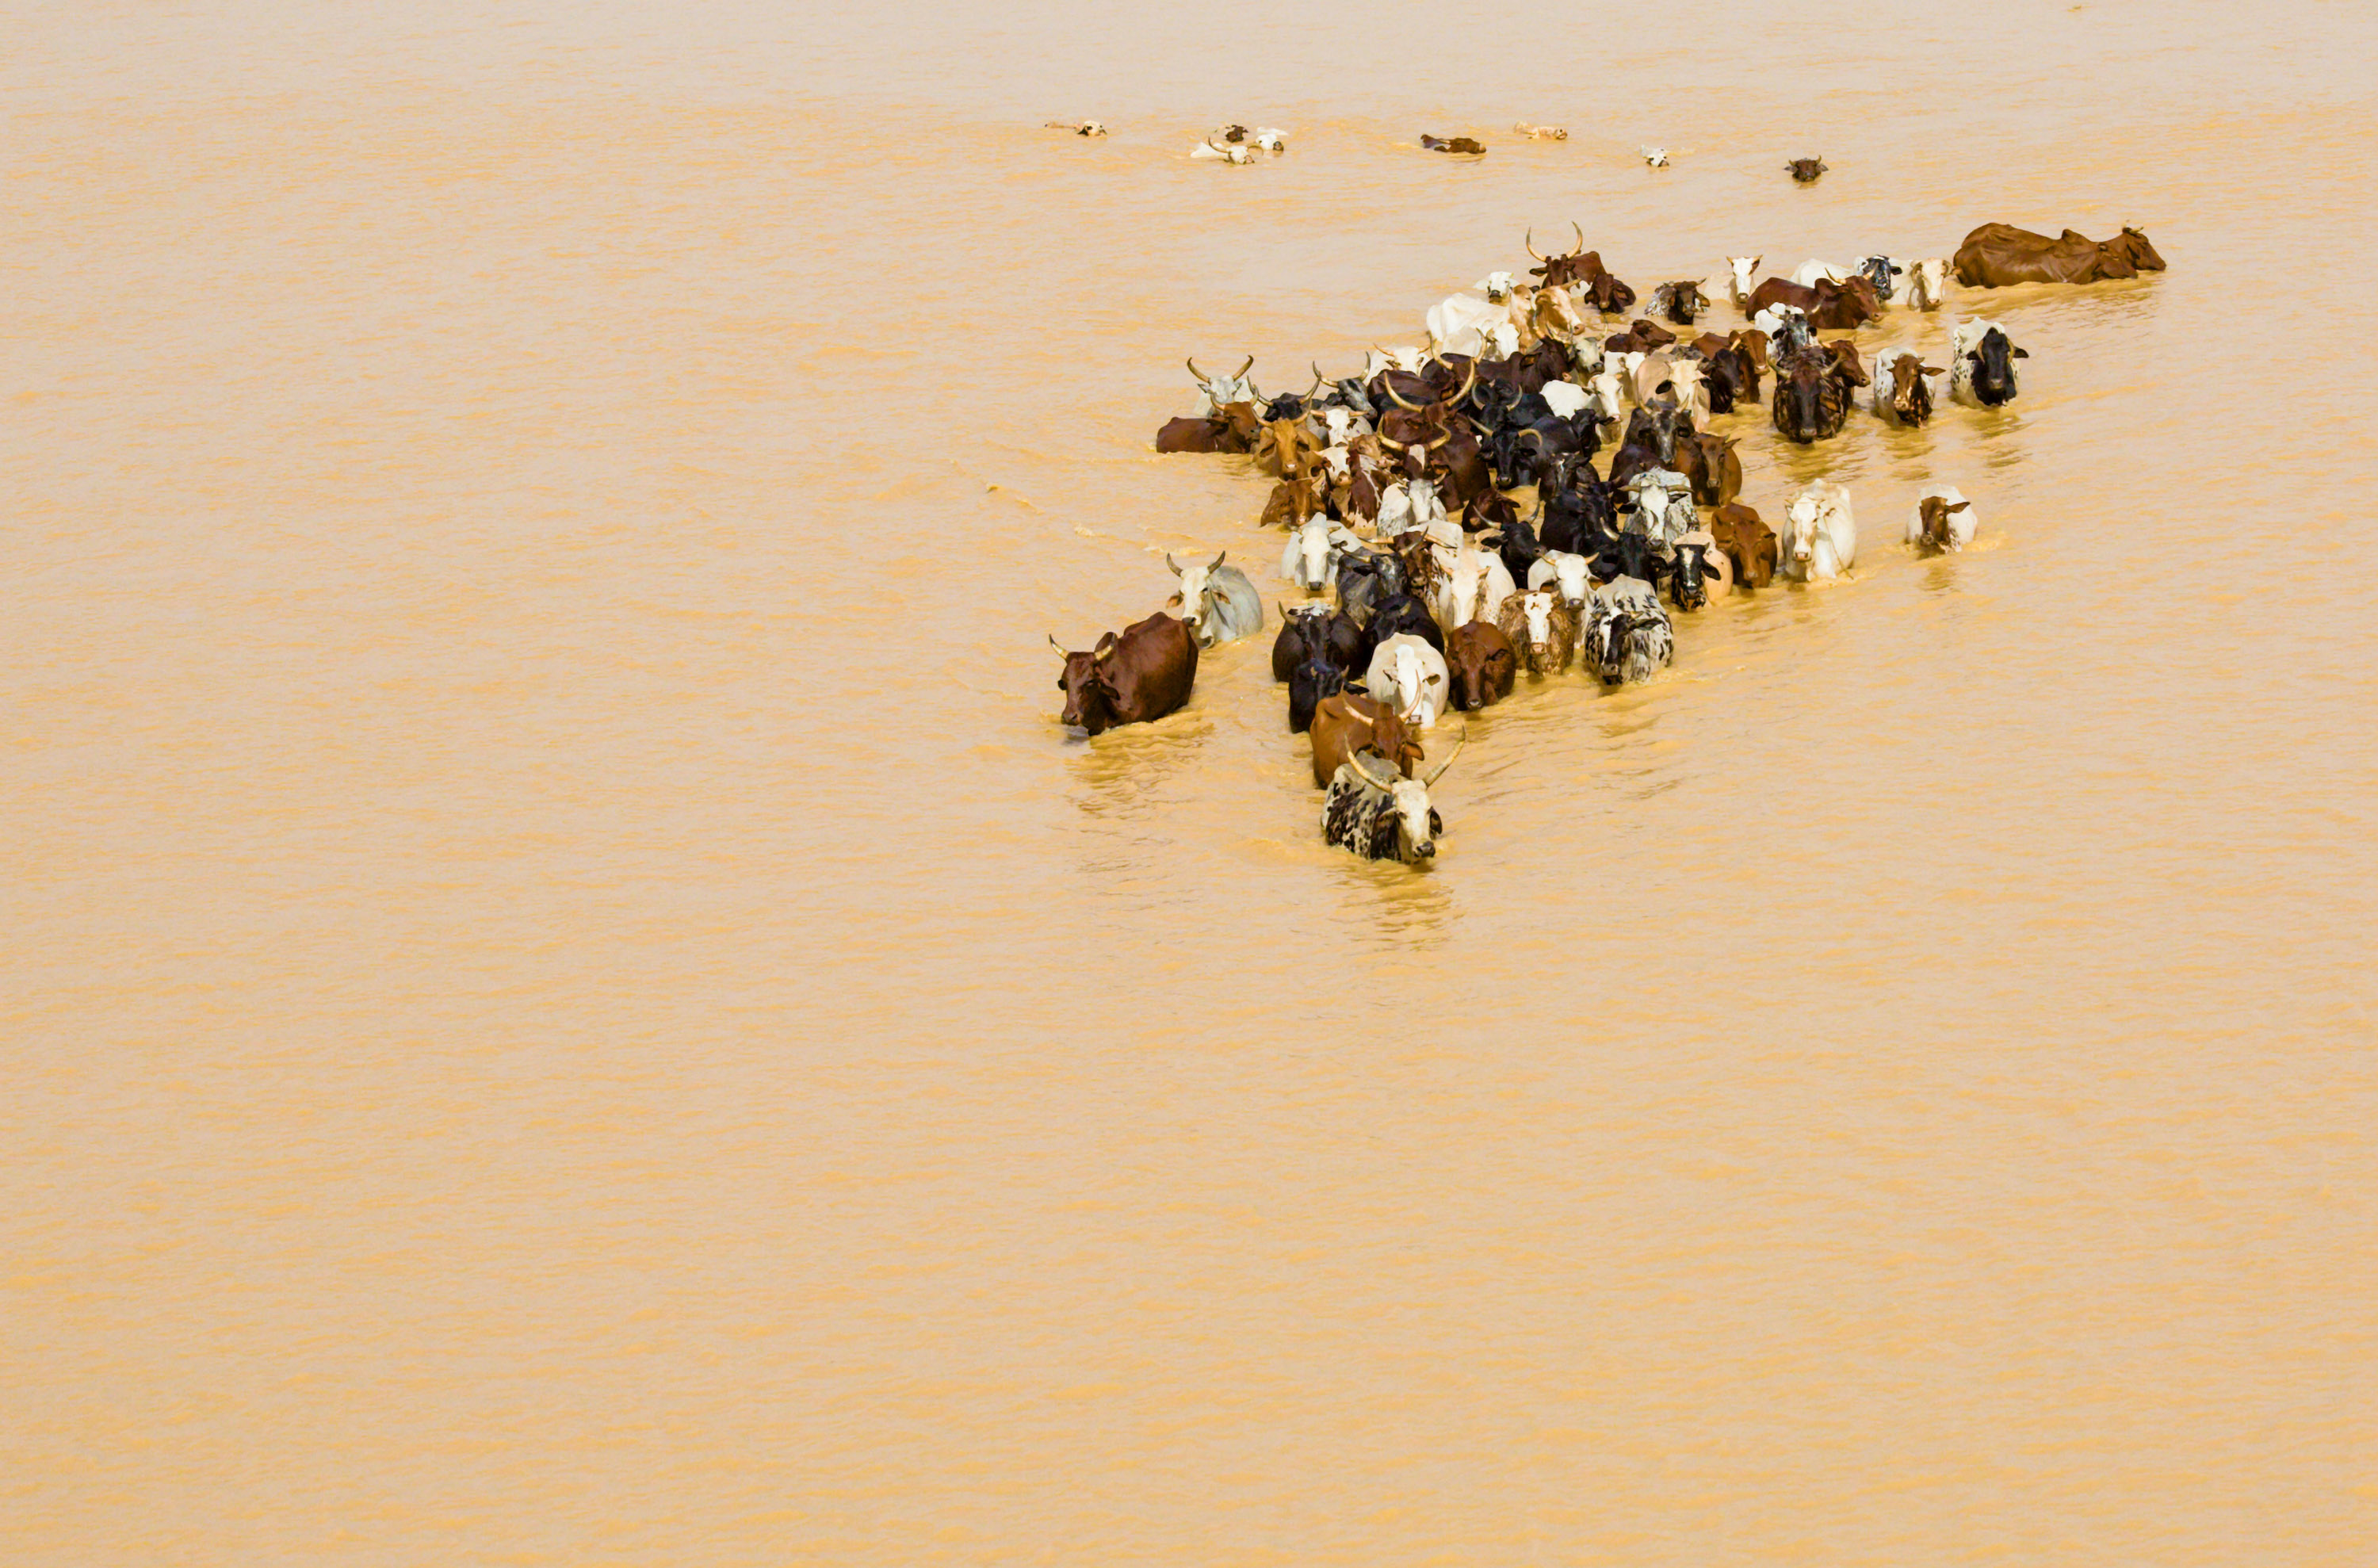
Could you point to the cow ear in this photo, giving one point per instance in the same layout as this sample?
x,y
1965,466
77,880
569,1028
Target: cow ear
x,y
1961,506
2022,354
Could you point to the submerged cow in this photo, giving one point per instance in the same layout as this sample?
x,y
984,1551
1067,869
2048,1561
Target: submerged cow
x,y
1997,254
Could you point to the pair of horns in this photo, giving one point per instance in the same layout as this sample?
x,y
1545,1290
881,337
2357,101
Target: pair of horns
x,y
1542,257
1176,566
1206,380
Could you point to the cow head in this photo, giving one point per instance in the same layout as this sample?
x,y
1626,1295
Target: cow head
x,y
1802,520
1742,272
1925,281
1314,679
1089,691
1990,368
1558,271
1800,394
2135,248
1847,368
1938,533
1482,668
1683,301
1879,270
1416,682
1805,170
1688,578
1565,572
1417,824
1911,399
1222,390
1196,594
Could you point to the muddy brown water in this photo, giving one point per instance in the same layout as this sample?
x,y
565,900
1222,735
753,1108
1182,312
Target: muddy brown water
x,y
568,1001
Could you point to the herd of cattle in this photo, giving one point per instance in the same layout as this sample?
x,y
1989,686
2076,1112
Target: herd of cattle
x,y
1399,491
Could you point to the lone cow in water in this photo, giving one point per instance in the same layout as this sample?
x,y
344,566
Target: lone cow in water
x,y
1145,673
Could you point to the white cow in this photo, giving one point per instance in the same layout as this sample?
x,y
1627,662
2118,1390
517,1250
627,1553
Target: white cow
x,y
1564,398
1806,273
1928,280
1400,357
1219,390
1571,575
1608,396
1820,538
1476,583
1415,504
1311,559
1944,521
1462,323
1409,677
1230,152
1740,273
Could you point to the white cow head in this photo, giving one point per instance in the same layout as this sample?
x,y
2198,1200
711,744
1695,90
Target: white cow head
x,y
1800,521
1399,357
1742,268
1268,140
1926,279
1191,595
1219,390
1417,679
1306,561
1568,572
1496,286
1609,395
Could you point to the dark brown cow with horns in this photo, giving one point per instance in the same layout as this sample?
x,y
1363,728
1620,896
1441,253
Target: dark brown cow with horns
x,y
1582,267
1143,674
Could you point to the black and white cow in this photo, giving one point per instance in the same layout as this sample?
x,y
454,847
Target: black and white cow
x,y
1380,816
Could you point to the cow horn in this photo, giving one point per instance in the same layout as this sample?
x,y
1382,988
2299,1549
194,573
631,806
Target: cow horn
x,y
1170,561
1581,237
1218,560
1243,369
1058,645
1354,760
1203,380
1457,745
1470,382
1317,378
1389,442
1395,397
1530,243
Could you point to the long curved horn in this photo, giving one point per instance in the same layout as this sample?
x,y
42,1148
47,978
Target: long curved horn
x,y
1243,369
1256,390
1396,398
1217,560
1203,380
1465,740
1058,645
1530,243
1317,378
1581,237
1470,383
1389,442
1354,760
1170,561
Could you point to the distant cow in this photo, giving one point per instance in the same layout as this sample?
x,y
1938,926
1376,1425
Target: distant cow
x,y
1145,673
1806,171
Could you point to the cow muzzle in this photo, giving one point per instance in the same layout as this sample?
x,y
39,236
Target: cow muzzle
x,y
1426,852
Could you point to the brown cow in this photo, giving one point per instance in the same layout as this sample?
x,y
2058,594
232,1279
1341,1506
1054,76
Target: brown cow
x,y
1748,543
1806,171
1480,659
1346,722
1997,254
1831,307
1650,334
1847,368
1293,502
1462,144
1909,399
1711,466
1231,431
1144,674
